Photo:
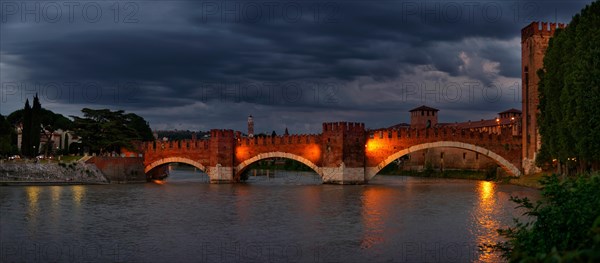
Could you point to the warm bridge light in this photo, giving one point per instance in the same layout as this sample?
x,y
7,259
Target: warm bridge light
x,y
372,145
161,182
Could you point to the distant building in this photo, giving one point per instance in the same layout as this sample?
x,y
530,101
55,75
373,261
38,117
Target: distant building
x,y
509,118
423,117
250,126
54,139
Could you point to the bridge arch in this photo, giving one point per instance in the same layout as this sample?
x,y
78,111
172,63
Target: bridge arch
x,y
505,164
243,165
162,161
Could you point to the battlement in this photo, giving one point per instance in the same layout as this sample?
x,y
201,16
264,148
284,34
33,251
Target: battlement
x,y
179,144
218,133
281,140
343,127
442,133
540,28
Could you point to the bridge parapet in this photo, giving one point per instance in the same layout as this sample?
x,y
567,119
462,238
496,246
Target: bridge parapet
x,y
442,133
176,144
383,143
280,140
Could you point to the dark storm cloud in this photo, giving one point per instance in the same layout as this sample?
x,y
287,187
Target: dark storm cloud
x,y
294,59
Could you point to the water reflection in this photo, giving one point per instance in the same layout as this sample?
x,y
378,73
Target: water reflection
x,y
486,215
55,194
78,194
33,196
374,211
394,219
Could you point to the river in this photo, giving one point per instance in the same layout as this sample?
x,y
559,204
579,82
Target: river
x,y
288,217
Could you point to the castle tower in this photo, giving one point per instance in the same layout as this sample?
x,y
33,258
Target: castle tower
x,y
343,153
534,41
250,126
222,149
423,117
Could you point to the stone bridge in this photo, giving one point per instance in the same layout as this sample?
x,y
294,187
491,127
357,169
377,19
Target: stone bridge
x,y
344,153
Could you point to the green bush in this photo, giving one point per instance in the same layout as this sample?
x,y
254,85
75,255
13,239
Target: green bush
x,y
565,225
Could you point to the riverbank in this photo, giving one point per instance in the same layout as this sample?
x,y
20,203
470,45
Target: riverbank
x,y
39,183
50,173
531,181
450,174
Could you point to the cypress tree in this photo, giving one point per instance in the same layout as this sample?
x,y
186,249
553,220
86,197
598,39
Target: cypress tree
x,y
66,144
26,132
36,114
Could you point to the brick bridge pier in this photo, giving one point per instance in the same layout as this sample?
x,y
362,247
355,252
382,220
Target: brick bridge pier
x,y
344,153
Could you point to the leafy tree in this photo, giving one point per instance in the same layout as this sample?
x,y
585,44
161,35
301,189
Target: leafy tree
x,y
141,126
7,133
566,225
52,122
49,120
569,91
104,131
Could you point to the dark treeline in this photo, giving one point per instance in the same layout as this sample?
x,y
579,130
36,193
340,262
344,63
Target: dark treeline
x,y
98,131
569,88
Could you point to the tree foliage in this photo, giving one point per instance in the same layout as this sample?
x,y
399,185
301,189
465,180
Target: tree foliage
x,y
566,225
26,143
36,126
49,122
104,131
569,91
7,132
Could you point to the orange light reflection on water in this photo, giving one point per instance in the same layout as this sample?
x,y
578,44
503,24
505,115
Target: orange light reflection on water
x,y
486,216
78,194
374,210
33,196
161,182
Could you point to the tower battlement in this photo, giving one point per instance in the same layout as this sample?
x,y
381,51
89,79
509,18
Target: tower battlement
x,y
343,127
540,28
221,133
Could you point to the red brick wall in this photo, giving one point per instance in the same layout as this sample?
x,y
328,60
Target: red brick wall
x,y
119,169
384,143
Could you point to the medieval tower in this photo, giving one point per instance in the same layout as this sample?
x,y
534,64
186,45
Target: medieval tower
x,y
423,117
534,41
250,126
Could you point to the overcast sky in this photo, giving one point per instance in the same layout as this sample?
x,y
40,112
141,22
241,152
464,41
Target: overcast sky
x,y
296,64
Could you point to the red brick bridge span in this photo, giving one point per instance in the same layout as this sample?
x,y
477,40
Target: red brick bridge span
x,y
344,153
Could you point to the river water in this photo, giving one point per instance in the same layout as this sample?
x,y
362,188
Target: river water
x,y
288,217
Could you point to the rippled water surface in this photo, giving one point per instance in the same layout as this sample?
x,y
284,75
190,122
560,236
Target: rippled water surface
x,y
287,217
